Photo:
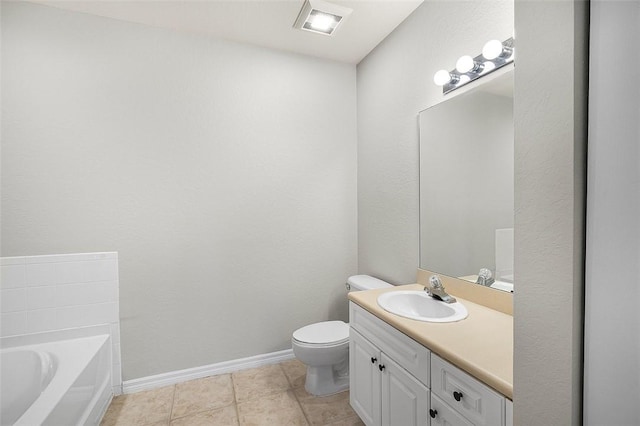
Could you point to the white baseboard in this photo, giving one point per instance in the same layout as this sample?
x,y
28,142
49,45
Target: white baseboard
x,y
173,377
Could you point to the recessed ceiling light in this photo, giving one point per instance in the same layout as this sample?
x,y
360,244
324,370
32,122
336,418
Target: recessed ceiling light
x,y
321,17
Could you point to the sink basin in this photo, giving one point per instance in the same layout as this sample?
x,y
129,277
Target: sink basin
x,y
418,305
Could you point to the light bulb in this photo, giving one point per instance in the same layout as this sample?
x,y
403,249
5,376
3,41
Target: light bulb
x,y
321,22
492,49
442,77
466,64
488,66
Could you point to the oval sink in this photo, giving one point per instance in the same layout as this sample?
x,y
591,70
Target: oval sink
x,y
418,305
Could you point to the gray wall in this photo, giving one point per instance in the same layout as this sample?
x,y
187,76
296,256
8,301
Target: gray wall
x,y
395,82
223,174
550,144
612,295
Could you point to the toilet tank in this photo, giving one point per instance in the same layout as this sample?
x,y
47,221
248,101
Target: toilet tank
x,y
365,282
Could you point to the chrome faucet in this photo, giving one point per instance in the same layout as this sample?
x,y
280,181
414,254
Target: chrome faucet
x,y
435,289
485,278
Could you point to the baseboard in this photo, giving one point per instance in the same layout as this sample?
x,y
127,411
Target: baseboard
x,y
173,377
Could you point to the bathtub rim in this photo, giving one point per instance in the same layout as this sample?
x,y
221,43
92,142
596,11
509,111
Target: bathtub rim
x,y
9,342
74,356
99,334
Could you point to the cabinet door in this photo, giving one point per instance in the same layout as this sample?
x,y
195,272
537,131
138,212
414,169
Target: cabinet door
x,y
509,413
411,355
405,401
443,415
364,378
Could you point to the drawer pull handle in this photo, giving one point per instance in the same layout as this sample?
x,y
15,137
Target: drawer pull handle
x,y
457,395
433,413
373,360
381,367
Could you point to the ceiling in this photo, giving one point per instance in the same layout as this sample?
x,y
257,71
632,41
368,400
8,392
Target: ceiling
x,y
267,23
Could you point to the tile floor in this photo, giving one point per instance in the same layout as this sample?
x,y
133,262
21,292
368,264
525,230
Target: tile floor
x,y
269,395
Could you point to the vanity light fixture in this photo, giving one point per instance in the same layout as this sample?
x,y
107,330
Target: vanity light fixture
x,y
321,17
495,55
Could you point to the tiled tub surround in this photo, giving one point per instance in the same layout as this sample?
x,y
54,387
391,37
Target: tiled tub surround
x,y
268,395
58,292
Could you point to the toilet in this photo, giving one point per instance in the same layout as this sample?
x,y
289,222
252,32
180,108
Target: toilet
x,y
324,346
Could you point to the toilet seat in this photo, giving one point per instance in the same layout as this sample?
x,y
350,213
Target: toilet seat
x,y
326,333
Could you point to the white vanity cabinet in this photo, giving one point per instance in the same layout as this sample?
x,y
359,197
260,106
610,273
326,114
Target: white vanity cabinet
x,y
394,380
381,359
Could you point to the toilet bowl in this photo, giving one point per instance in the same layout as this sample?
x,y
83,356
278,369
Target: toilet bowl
x,y
324,347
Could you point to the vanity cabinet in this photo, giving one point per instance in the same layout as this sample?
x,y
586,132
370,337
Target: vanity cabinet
x,y
381,359
394,380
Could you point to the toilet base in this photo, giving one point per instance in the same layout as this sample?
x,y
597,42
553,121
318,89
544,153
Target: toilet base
x,y
327,379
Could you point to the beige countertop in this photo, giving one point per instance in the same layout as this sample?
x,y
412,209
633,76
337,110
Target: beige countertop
x,y
481,344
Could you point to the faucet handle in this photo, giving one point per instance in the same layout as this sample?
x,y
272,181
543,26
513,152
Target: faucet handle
x,y
435,283
485,273
485,277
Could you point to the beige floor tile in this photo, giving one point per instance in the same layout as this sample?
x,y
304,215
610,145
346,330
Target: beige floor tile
x,y
204,394
142,408
226,416
351,421
258,382
327,409
295,371
276,409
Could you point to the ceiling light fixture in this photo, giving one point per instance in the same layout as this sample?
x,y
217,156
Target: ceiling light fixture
x,y
321,17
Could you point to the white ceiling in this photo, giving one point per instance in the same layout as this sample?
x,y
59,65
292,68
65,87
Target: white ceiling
x,y
267,23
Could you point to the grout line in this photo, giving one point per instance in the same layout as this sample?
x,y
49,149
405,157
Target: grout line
x,y
273,391
203,409
173,401
292,389
235,400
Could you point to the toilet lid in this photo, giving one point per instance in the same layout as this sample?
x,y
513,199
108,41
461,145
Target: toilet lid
x,y
323,332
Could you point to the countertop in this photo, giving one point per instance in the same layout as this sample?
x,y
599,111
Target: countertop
x,y
481,344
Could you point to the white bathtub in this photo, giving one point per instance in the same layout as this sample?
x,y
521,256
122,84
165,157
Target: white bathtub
x,y
66,382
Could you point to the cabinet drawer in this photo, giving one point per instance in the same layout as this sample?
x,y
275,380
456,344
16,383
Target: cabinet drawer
x,y
477,402
443,415
411,355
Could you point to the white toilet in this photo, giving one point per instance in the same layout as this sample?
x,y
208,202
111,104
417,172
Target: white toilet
x,y
324,347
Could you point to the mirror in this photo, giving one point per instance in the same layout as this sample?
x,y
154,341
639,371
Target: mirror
x,y
466,184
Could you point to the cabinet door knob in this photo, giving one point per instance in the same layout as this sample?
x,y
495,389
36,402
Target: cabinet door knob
x,y
381,367
373,360
457,395
433,413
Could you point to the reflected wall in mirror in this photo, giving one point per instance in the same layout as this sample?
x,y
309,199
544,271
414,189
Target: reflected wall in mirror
x,y
466,184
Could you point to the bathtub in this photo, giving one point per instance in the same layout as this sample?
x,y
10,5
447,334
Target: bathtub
x,y
65,382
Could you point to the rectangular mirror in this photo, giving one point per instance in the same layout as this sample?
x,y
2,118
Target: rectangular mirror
x,y
466,184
